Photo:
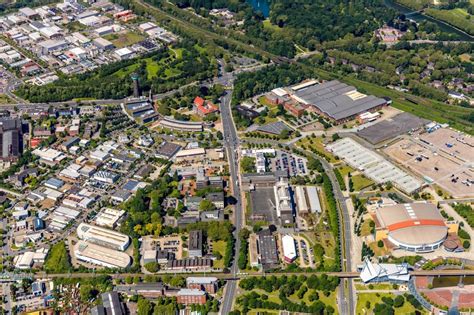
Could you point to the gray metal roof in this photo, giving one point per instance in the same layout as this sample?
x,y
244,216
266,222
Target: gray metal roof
x,y
331,98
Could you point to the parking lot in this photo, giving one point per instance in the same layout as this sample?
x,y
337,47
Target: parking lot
x,y
433,165
453,142
293,164
262,203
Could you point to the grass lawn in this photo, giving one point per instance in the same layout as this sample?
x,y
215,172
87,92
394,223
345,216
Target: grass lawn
x,y
326,239
361,182
201,49
346,169
376,286
269,26
127,71
152,67
178,52
375,298
121,40
317,143
328,300
171,72
5,99
456,17
365,228
58,259
261,310
379,251
219,247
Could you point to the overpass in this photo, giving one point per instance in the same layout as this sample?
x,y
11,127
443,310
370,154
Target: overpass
x,y
227,276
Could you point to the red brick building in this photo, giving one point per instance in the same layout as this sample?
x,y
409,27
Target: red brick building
x,y
203,107
191,296
294,108
208,284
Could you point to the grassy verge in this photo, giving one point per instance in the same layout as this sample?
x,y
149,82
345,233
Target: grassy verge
x,y
361,182
458,17
219,247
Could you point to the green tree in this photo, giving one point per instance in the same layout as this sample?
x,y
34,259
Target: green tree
x,y
247,164
144,307
206,205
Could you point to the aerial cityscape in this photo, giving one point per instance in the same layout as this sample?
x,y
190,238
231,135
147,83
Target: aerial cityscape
x,y
236,157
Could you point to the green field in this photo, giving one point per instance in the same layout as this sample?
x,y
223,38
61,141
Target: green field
x,y
375,298
58,259
458,17
219,247
361,182
273,297
5,99
415,4
121,40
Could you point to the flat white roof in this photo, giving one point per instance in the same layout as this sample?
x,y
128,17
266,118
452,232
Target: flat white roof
x,y
108,217
67,212
100,255
289,248
373,165
191,152
102,235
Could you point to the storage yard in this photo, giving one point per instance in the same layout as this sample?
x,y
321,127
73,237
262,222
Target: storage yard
x,y
455,143
432,162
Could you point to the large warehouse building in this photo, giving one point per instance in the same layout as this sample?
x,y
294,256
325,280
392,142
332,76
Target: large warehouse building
x,y
101,256
416,227
336,100
103,237
11,139
373,165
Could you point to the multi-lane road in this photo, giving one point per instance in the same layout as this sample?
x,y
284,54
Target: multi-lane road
x,y
231,142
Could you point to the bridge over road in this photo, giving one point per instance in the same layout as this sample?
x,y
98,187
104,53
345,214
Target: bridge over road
x,y
227,276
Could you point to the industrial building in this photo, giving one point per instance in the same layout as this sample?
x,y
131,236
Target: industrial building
x,y
336,100
191,296
109,217
106,177
100,255
266,250
416,227
307,199
284,201
195,243
11,139
207,284
192,126
373,165
103,237
289,248
190,265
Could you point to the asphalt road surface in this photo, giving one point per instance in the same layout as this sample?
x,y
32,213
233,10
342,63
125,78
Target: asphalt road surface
x,y
231,141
